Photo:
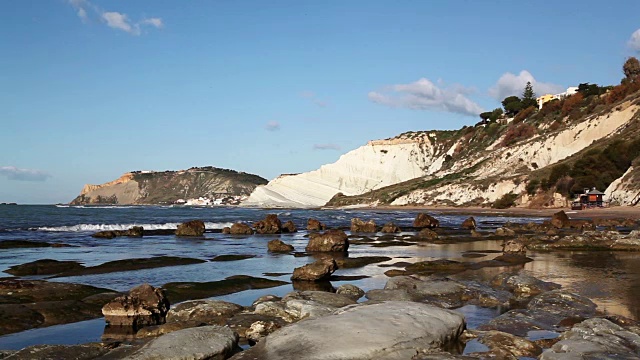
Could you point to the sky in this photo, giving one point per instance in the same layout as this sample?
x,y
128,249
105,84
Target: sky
x,y
92,89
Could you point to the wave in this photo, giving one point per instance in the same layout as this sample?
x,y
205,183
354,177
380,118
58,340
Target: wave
x,y
104,227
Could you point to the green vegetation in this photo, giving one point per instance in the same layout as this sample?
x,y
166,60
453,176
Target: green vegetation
x,y
506,201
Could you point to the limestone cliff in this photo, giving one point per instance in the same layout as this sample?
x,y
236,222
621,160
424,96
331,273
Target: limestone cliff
x,y
151,187
472,166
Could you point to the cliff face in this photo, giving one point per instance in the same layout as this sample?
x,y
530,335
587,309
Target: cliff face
x,y
170,186
379,163
472,166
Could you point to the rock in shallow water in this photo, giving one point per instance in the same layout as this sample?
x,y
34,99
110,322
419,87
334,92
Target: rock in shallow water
x,y
319,270
329,241
390,330
191,228
205,342
144,306
208,311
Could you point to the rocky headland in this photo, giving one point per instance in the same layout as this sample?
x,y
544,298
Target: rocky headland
x,y
208,185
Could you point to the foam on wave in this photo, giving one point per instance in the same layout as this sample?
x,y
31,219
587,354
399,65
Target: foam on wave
x,y
103,227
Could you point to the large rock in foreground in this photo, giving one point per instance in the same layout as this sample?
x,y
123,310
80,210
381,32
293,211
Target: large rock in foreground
x,y
390,330
144,306
205,342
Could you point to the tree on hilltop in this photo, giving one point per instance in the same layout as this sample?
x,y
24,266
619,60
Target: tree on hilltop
x,y
528,96
631,68
512,105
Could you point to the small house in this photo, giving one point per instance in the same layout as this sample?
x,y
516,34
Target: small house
x,y
590,199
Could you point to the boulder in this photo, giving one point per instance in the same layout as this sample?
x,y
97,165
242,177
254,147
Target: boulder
x,y
289,227
425,221
351,291
315,225
205,342
321,297
317,271
394,330
522,284
502,345
329,241
358,225
560,220
469,223
135,231
226,230
107,234
143,306
191,228
240,229
278,245
390,228
475,233
269,225
44,267
206,311
595,338
243,322
514,246
427,234
504,231
260,329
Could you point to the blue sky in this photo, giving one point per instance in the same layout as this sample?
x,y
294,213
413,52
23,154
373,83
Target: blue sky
x,y
93,89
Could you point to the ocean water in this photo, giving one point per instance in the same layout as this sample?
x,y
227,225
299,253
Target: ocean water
x,y
616,291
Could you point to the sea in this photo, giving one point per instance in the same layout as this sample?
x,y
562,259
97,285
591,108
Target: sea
x,y
610,279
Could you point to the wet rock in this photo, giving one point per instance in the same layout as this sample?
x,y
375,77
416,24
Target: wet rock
x,y
226,230
243,322
278,245
289,227
43,267
444,292
75,352
554,310
205,342
158,330
23,244
351,291
514,246
469,223
394,330
522,284
265,298
207,311
144,306
315,225
425,221
191,228
180,291
135,231
240,229
506,346
108,234
436,266
587,240
595,339
269,225
390,295
358,225
504,231
476,234
18,317
232,257
132,264
476,293
360,261
293,310
390,228
317,271
260,329
427,234
321,297
329,241
560,220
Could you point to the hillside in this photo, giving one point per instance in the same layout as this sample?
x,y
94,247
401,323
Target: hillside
x,y
539,158
168,187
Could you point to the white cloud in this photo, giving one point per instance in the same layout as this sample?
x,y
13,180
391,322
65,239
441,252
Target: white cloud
x,y
157,22
326,147
272,126
510,84
425,95
634,41
120,21
114,19
14,173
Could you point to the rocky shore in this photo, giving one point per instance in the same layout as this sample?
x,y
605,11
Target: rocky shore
x,y
413,316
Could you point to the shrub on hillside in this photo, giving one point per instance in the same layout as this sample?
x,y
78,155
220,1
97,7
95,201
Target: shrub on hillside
x,y
524,114
532,187
506,201
571,103
517,133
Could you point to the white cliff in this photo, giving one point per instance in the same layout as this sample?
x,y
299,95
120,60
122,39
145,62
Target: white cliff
x,y
379,163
